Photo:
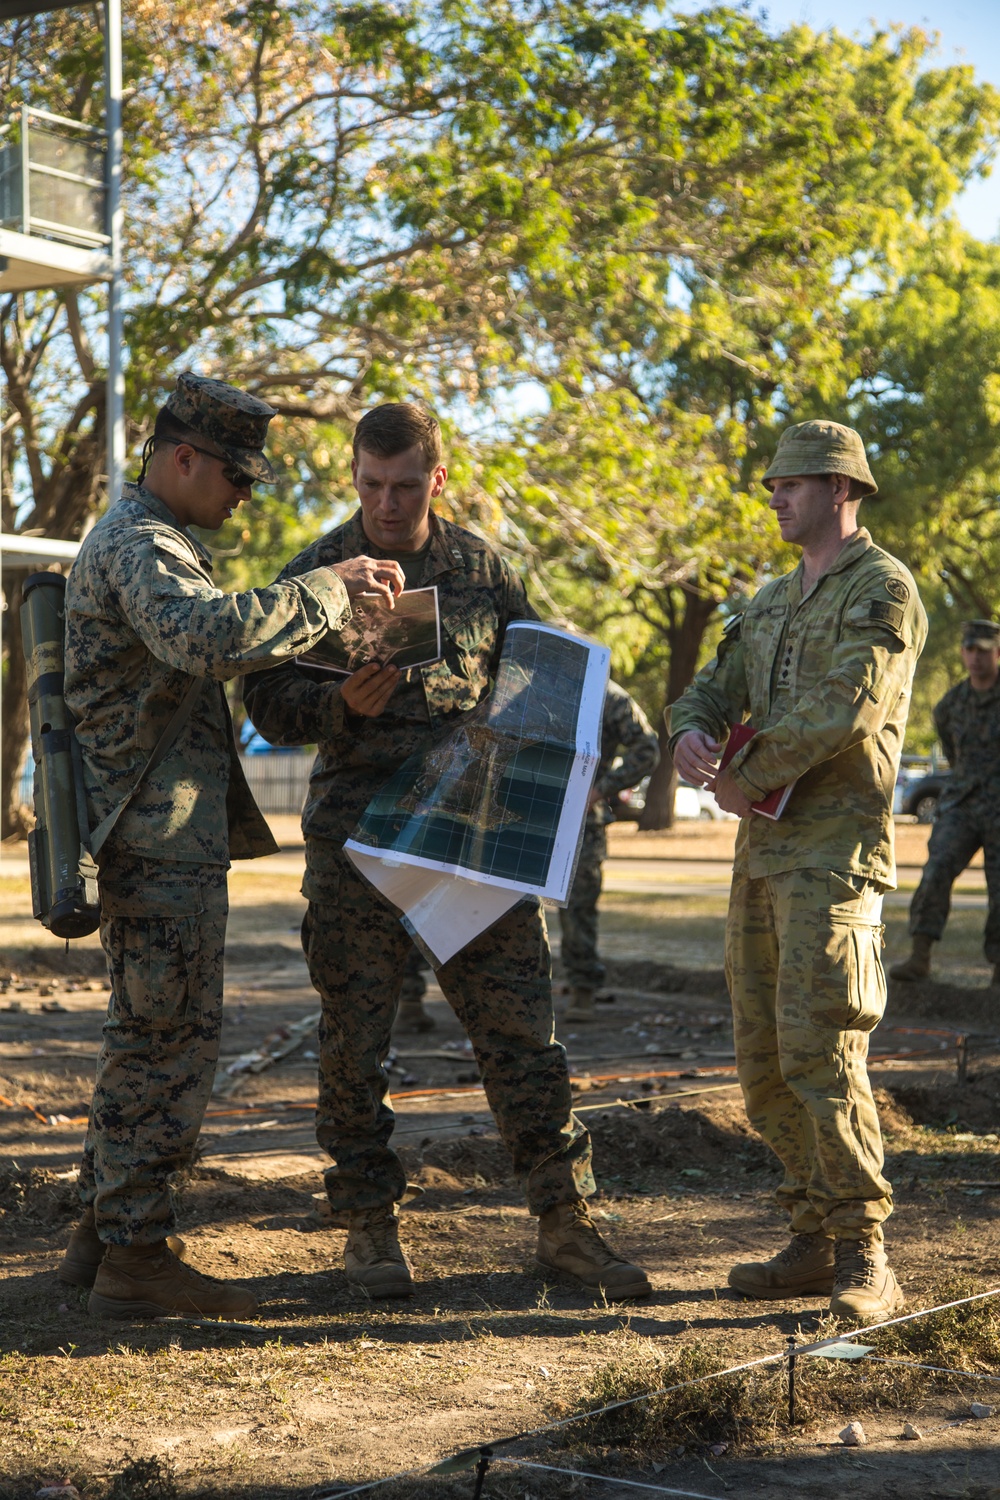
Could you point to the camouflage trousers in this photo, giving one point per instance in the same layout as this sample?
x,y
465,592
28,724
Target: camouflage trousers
x,y
955,838
500,989
803,961
163,928
578,919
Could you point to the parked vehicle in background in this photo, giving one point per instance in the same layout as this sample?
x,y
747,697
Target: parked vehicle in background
x,y
917,791
691,804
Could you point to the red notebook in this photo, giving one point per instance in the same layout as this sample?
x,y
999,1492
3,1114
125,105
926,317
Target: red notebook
x,y
774,804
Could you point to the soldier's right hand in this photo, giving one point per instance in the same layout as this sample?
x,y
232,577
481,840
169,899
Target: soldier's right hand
x,y
371,575
696,757
368,690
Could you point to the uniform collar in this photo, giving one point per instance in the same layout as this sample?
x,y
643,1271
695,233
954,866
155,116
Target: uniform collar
x,y
137,494
846,558
443,554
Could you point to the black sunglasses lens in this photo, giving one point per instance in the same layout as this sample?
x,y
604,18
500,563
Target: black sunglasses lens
x,y
238,477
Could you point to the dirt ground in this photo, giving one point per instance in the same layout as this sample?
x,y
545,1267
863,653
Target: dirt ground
x,y
324,1389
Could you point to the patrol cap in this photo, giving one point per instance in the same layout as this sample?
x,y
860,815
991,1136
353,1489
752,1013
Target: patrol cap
x,y
233,420
821,448
981,633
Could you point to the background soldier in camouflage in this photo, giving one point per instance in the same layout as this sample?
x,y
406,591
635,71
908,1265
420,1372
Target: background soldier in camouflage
x,y
625,733
499,985
968,814
143,622
822,660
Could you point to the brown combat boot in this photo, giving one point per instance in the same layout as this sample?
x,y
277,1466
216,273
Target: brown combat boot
x,y
581,1005
372,1255
805,1266
411,1016
85,1252
918,965
568,1241
148,1281
864,1287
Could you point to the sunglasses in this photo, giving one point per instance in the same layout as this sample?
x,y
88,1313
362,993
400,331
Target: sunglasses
x,y
237,477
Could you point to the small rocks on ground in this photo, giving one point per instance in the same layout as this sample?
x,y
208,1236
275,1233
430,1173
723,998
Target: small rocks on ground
x,y
911,1432
981,1412
853,1435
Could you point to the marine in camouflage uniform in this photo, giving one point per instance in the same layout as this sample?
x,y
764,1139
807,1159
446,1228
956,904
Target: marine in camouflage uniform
x,y
143,620
967,721
824,676
499,985
628,739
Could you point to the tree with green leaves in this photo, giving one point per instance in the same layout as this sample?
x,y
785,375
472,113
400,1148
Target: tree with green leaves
x,y
616,249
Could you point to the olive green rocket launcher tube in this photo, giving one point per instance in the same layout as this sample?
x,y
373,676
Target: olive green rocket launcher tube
x,y
63,875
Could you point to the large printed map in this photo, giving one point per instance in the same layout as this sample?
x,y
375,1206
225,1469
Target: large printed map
x,y
496,809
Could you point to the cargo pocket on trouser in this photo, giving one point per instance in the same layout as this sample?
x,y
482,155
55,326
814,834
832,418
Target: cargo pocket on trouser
x,y
848,981
152,937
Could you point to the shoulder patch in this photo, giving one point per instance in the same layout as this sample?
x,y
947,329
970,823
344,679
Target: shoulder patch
x,y
889,614
897,589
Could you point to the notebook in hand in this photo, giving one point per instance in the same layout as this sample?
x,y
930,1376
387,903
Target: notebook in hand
x,y
774,804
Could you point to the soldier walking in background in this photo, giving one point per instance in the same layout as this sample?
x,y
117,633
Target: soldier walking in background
x,y
822,660
626,737
967,721
499,985
149,642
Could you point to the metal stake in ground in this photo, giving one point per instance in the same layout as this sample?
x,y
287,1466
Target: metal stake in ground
x,y
791,1380
481,1467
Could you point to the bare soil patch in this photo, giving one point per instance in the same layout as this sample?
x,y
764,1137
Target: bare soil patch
x,y
324,1388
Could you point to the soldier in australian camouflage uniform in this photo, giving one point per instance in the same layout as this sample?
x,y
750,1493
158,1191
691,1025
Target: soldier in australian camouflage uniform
x,y
821,661
626,737
967,720
143,622
499,984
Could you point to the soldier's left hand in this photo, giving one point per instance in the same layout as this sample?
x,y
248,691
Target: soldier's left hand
x,y
729,796
368,690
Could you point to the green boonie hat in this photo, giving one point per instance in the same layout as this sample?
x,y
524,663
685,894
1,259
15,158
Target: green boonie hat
x,y
234,421
821,448
981,633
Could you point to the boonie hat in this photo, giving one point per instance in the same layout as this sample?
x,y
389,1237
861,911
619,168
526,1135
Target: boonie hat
x,y
821,448
233,420
981,633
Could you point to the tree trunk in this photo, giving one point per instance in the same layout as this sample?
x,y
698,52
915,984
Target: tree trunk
x,y
685,644
14,728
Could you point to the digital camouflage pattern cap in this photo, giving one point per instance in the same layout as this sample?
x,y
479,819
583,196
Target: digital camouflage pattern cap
x,y
233,420
981,633
821,448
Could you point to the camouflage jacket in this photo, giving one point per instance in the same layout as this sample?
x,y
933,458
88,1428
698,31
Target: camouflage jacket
x,y
825,681
142,619
968,726
479,594
625,733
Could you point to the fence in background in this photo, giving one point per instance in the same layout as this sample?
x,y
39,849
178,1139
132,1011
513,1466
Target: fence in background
x,y
279,779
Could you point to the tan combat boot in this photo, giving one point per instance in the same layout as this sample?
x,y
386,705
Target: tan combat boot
x,y
864,1287
148,1281
85,1252
918,965
568,1241
372,1255
581,1005
804,1266
411,1016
